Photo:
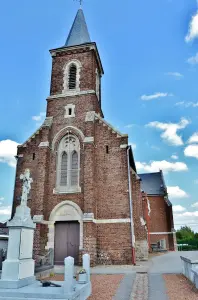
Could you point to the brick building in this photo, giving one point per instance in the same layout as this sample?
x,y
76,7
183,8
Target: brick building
x,y
86,194
160,223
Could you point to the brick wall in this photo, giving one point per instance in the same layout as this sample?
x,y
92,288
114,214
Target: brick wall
x,y
103,176
161,220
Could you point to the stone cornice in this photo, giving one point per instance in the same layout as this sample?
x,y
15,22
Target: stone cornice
x,y
70,94
79,48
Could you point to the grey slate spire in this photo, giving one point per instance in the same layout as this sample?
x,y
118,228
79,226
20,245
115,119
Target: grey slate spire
x,y
78,34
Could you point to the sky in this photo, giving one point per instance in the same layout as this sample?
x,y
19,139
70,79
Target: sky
x,y
149,51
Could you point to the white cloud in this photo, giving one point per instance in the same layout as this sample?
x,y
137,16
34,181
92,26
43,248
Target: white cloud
x,y
39,117
155,96
170,131
178,208
165,166
193,60
129,125
5,210
196,181
174,156
1,198
187,104
193,138
193,29
8,151
179,103
191,151
195,205
186,219
176,75
176,192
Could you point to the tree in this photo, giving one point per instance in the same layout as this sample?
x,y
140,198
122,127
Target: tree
x,y
185,233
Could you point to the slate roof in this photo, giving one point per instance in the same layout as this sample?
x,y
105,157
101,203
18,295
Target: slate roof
x,y
78,34
153,183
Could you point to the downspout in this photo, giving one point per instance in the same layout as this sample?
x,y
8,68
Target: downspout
x,y
131,210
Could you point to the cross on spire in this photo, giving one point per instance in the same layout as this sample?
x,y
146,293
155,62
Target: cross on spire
x,y
80,1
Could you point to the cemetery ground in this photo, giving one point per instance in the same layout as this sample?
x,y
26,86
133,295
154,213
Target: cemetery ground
x,y
159,278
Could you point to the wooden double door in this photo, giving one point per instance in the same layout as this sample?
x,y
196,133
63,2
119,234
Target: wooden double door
x,y
67,237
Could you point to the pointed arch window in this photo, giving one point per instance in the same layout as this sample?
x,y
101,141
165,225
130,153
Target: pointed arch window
x,y
68,165
71,80
72,77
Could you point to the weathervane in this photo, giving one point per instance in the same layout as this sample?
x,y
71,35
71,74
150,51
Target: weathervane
x,y
80,1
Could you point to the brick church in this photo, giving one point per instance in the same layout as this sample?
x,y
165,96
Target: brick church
x,y
86,196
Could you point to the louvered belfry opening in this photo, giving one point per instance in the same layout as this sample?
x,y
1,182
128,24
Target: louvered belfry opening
x,y
72,77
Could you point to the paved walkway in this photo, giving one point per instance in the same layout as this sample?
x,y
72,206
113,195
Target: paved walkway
x,y
145,281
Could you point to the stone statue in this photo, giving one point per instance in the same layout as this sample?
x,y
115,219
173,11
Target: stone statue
x,y
27,180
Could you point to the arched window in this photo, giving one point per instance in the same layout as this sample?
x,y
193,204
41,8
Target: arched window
x,y
72,77
68,164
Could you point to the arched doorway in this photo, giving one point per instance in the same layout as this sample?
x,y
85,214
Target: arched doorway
x,y
65,231
66,241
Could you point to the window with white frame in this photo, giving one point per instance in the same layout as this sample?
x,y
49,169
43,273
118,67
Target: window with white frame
x,y
69,111
71,82
68,164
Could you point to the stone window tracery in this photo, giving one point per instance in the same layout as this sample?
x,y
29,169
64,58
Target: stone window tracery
x,y
68,165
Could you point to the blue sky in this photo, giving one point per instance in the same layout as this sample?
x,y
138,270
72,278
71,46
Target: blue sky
x,y
150,57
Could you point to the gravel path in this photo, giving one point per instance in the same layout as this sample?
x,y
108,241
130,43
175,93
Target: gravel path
x,y
140,287
103,286
178,287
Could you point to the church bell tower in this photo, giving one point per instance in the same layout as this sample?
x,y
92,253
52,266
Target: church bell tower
x,y
76,71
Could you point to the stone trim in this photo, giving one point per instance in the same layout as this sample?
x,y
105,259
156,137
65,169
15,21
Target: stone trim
x,y
64,211
124,146
111,221
67,107
73,130
104,221
66,70
71,94
44,144
68,144
38,219
97,84
161,232
90,116
89,140
80,48
74,191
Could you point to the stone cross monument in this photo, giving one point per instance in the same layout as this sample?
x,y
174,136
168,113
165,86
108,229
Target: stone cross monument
x,y
18,268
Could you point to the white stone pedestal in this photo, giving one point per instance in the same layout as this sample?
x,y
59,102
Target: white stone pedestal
x,y
18,268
